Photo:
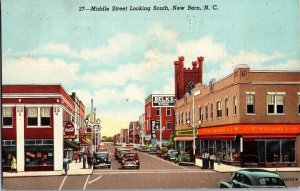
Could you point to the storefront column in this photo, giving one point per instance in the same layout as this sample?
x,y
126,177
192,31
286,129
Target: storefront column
x,y
58,141
20,150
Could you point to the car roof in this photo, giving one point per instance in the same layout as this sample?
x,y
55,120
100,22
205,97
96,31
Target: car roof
x,y
258,173
102,152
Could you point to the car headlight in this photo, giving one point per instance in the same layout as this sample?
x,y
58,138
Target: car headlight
x,y
137,161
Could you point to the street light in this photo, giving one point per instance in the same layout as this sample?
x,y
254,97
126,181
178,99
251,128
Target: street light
x,y
194,125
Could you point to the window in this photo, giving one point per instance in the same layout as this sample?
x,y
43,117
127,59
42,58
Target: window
x,y
169,125
158,111
7,116
226,107
211,110
38,153
45,116
275,103
219,109
298,103
206,112
148,111
201,113
168,110
181,118
234,106
250,103
32,116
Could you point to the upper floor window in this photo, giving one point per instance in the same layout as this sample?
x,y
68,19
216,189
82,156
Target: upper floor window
x,y
201,113
158,111
38,116
298,102
148,111
211,110
169,125
206,112
219,109
181,118
275,103
7,116
226,107
234,105
250,103
168,111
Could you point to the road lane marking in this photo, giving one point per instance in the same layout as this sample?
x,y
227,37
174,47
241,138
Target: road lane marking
x,y
86,182
162,171
95,179
62,182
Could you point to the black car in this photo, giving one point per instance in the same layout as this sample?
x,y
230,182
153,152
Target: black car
x,y
101,159
171,154
254,178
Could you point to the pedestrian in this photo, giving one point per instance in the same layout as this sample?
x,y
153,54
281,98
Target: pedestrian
x,y
203,159
212,160
84,161
13,166
206,160
76,156
90,160
80,155
66,164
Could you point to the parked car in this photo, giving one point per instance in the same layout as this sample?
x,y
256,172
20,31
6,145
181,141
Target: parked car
x,y
121,153
171,154
137,147
101,159
151,149
162,152
254,178
185,158
130,159
144,148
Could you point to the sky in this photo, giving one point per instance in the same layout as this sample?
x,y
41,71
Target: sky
x,y
118,58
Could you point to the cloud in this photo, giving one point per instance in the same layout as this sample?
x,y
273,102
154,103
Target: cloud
x,y
40,70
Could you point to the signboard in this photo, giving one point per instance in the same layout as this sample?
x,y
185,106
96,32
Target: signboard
x,y
184,133
69,130
163,100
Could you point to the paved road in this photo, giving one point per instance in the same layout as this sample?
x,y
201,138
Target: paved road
x,y
154,173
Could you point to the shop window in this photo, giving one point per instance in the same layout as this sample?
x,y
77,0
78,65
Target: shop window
x,y
168,111
288,151
7,117
219,109
226,107
275,103
45,116
211,110
38,154
250,103
32,116
8,151
169,125
273,151
234,106
262,151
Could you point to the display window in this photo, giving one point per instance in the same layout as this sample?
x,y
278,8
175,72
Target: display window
x,y
8,151
38,152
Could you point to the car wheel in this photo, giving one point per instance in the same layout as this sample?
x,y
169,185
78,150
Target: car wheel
x,y
138,167
108,166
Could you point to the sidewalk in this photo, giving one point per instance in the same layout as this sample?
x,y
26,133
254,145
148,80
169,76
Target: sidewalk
x,y
74,169
227,168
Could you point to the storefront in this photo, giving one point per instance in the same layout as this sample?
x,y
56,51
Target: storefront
x,y
263,145
8,151
184,141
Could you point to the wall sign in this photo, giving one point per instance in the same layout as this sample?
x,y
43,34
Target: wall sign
x,y
163,100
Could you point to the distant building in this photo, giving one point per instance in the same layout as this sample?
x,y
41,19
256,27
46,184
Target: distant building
x,y
262,106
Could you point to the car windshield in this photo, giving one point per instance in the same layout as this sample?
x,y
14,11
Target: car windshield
x,y
271,181
101,155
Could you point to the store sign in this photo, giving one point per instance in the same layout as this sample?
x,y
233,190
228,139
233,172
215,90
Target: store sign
x,y
184,133
163,100
69,130
154,127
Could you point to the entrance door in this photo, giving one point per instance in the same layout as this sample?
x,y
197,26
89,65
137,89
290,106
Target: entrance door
x,y
250,153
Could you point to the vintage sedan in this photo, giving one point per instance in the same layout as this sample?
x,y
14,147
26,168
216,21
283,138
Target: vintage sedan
x,y
101,159
185,158
152,149
171,154
130,159
254,178
121,153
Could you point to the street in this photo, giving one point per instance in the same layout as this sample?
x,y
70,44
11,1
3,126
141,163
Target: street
x,y
154,173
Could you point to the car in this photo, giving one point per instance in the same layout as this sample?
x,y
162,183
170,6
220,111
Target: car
x,y
121,153
117,151
171,154
254,178
162,152
184,158
137,147
130,159
151,149
101,159
144,148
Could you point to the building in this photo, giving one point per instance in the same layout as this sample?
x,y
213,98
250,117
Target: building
x,y
142,131
153,116
263,107
37,124
134,132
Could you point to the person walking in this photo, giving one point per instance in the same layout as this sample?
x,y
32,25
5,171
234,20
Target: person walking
x,y
90,160
76,156
80,155
66,164
13,167
212,160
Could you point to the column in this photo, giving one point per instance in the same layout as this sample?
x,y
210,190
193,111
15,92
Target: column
x,y
58,140
20,138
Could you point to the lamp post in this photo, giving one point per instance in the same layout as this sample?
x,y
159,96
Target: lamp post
x,y
194,125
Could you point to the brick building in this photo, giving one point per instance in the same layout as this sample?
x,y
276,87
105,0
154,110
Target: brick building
x,y
262,106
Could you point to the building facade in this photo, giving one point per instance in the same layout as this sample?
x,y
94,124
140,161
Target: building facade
x,y
152,122
261,106
33,126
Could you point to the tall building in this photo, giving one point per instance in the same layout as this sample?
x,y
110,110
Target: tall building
x,y
262,107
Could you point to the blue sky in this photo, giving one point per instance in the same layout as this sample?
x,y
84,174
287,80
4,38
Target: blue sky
x,y
113,56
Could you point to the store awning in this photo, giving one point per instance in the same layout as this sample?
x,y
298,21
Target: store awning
x,y
71,145
183,138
